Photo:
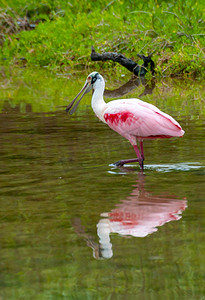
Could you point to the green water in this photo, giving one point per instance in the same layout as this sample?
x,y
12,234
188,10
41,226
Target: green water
x,y
75,227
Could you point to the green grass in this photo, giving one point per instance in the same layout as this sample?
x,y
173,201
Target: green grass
x,y
173,31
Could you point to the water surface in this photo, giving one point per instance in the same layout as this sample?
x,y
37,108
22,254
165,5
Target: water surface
x,y
73,226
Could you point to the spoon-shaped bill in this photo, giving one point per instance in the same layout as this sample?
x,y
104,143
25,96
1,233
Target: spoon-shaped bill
x,y
85,89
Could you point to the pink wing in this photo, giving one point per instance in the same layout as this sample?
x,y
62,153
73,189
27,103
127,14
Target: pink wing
x,y
140,119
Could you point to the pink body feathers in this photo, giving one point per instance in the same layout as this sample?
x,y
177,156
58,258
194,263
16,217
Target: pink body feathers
x,y
133,118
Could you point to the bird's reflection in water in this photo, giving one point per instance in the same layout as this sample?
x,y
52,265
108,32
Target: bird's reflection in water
x,y
138,215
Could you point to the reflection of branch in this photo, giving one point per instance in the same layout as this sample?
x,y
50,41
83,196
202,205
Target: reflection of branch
x,y
80,230
129,86
148,88
126,62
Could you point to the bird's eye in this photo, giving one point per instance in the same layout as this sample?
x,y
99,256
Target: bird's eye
x,y
89,78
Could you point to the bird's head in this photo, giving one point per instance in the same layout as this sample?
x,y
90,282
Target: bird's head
x,y
90,84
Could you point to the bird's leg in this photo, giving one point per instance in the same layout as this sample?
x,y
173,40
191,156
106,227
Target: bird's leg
x,y
141,149
139,156
120,163
139,159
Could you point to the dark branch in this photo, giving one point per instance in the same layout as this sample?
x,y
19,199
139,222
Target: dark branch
x,y
125,62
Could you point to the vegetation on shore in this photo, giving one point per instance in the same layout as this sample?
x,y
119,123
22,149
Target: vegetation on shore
x,y
65,31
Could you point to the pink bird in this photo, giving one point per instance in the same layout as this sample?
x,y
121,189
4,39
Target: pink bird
x,y
132,118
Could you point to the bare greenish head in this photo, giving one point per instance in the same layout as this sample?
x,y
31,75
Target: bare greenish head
x,y
88,86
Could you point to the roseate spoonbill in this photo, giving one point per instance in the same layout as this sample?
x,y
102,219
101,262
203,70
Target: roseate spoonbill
x,y
134,119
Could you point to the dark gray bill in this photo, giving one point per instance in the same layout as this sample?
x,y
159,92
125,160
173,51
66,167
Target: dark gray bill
x,y
68,108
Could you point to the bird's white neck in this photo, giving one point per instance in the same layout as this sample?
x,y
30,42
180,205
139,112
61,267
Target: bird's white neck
x,y
98,104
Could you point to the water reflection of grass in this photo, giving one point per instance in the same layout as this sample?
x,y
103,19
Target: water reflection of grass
x,y
46,92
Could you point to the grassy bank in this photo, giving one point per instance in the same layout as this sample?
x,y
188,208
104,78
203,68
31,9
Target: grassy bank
x,y
65,32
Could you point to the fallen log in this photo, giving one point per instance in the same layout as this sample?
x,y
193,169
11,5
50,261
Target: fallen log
x,y
128,63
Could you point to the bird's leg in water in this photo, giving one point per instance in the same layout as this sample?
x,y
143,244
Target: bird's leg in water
x,y
139,159
120,163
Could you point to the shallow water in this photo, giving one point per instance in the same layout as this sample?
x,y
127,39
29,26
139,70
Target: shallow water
x,y
73,226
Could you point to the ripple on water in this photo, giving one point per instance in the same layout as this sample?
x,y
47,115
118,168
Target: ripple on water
x,y
164,168
186,166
